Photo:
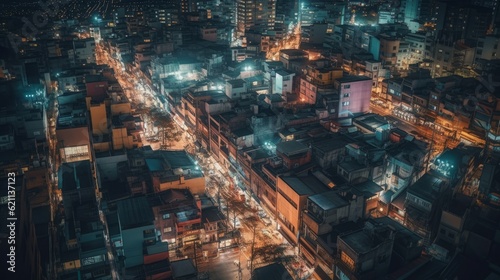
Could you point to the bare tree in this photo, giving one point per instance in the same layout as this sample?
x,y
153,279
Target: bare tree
x,y
235,206
169,130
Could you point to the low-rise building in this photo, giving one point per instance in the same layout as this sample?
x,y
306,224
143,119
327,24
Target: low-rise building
x,y
365,253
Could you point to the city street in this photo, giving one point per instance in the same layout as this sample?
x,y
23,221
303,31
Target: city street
x,y
421,132
232,263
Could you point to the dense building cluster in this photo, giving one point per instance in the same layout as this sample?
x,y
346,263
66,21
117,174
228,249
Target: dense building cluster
x,y
275,139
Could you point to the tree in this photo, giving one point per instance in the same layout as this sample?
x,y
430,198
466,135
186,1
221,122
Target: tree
x,y
235,206
168,129
272,253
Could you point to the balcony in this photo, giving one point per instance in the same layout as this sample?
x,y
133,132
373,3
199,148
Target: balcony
x,y
314,224
325,257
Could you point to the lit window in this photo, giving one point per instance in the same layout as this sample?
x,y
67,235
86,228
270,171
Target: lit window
x,y
346,103
167,229
347,260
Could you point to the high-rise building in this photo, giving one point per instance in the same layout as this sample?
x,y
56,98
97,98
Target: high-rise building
x,y
254,14
412,13
288,10
458,20
493,6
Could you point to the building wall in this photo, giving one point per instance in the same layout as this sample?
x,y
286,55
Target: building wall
x,y
120,138
308,92
389,49
195,185
357,95
98,119
120,108
107,166
74,143
283,84
288,213
97,89
133,245
209,34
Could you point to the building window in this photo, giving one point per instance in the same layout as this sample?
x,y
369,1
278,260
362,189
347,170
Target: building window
x,y
347,260
346,94
166,216
345,103
347,86
167,229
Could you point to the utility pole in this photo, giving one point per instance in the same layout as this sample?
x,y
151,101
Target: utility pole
x,y
430,150
239,270
195,256
252,250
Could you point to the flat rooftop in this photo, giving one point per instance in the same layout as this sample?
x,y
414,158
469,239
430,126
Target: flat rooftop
x,y
135,212
75,175
290,148
329,200
427,187
350,79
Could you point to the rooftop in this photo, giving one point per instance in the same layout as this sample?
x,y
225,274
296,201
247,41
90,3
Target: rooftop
x,y
75,175
293,52
135,212
305,185
298,186
236,83
291,148
284,72
152,269
371,122
328,200
212,214
274,271
183,268
364,241
427,187
330,143
350,79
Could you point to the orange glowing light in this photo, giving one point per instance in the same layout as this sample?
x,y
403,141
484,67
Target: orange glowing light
x,y
290,41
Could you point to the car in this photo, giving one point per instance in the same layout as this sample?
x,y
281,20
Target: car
x,y
237,223
222,204
262,214
266,221
223,207
266,232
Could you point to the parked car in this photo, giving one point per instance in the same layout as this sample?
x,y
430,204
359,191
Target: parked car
x,y
223,205
262,214
266,221
237,223
266,233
